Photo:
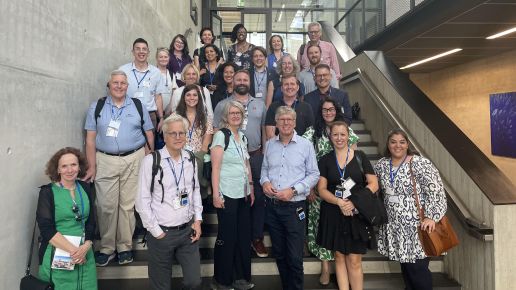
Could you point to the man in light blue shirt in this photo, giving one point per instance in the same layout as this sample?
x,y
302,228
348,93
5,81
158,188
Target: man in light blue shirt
x,y
289,171
144,81
115,139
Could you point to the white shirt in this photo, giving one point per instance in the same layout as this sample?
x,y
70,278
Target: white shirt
x,y
176,96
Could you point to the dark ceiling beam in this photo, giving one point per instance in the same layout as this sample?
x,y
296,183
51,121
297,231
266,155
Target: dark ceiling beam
x,y
422,18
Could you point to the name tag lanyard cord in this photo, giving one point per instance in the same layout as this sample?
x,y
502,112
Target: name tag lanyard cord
x,y
190,131
177,180
258,84
78,187
211,74
138,82
343,170
240,151
392,174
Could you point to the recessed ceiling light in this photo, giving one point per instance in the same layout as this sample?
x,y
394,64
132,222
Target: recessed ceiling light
x,y
500,34
432,58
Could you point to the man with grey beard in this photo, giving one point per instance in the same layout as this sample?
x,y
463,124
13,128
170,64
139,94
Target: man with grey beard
x,y
253,126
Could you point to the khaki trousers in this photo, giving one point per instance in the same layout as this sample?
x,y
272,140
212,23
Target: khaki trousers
x,y
116,183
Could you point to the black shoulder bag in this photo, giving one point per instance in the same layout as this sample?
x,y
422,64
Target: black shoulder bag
x,y
29,282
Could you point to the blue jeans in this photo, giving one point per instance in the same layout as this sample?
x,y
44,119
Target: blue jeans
x,y
287,235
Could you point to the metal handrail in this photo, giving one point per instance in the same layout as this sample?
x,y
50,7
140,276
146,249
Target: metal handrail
x,y
347,13
473,226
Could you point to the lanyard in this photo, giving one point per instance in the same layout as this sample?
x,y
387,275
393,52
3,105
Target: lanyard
x,y
177,180
167,75
180,63
310,70
239,149
393,174
190,131
138,82
212,75
78,187
343,170
117,117
258,84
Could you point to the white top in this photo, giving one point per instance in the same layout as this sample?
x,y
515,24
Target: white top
x,y
176,96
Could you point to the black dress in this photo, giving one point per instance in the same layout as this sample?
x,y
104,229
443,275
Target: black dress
x,y
348,235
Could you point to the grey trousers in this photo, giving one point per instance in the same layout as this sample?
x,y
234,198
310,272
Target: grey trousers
x,y
176,245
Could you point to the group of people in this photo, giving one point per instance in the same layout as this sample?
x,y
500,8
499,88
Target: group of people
x,y
272,143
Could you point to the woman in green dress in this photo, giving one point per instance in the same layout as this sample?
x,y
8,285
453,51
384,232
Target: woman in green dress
x,y
318,134
66,222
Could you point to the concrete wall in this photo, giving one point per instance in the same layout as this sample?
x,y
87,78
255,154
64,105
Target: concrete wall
x,y
55,60
462,92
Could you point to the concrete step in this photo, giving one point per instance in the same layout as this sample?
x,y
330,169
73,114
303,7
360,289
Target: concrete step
x,y
357,125
372,262
368,147
363,135
311,282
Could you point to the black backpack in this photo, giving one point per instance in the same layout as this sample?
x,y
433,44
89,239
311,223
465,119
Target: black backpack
x,y
156,167
206,172
139,108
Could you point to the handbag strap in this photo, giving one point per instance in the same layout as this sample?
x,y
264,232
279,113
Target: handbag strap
x,y
29,259
414,189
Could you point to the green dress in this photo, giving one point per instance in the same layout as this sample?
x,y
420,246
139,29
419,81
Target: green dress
x,y
322,147
83,277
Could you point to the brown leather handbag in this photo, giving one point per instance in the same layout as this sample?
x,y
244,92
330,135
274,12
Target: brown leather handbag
x,y
442,238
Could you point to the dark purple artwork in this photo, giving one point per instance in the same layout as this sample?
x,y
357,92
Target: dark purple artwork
x,y
503,124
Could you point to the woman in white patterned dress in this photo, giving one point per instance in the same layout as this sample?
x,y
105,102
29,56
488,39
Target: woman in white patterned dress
x,y
398,239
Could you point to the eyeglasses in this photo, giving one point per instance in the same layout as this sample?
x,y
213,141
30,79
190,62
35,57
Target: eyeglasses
x,y
329,110
141,49
313,32
179,42
283,120
176,134
321,76
235,113
75,209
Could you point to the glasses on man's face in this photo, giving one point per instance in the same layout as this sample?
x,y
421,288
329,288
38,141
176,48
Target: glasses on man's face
x,y
286,120
78,215
176,134
329,110
321,76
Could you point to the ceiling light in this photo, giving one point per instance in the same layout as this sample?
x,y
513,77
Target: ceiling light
x,y
432,58
500,34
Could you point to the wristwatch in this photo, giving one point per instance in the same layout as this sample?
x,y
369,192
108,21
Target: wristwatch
x,y
294,190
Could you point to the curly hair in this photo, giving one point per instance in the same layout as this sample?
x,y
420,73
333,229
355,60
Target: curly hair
x,y
53,164
220,72
200,113
235,31
207,29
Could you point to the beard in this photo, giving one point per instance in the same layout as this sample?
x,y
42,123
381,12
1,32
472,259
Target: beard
x,y
242,89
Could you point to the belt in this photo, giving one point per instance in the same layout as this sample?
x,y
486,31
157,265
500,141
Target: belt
x,y
258,151
275,201
119,154
174,228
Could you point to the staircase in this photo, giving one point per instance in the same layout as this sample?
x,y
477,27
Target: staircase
x,y
379,272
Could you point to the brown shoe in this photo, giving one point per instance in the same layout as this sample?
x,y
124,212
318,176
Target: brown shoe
x,y
260,249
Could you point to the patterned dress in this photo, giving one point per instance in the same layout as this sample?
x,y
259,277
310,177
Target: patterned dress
x,y
322,147
398,239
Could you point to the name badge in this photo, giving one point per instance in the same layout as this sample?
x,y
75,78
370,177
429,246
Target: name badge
x,y
238,63
274,64
113,127
394,199
348,183
259,95
138,95
300,213
184,198
239,54
389,191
